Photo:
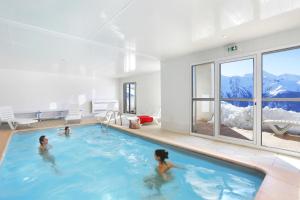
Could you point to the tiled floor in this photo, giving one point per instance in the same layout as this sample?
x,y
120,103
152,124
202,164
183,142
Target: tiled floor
x,y
287,141
282,181
4,136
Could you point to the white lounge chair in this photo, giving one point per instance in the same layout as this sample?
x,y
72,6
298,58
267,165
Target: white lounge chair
x,y
7,115
74,113
286,125
157,117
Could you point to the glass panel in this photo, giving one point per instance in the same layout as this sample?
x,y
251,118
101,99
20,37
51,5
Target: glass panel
x,y
127,98
203,81
237,119
281,74
281,125
203,117
237,79
132,98
281,119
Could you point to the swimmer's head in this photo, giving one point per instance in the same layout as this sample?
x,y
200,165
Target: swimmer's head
x,y
160,155
67,130
43,140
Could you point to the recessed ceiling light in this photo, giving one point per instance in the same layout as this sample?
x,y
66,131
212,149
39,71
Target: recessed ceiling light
x,y
224,36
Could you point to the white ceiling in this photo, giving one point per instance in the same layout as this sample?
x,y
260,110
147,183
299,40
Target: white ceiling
x,y
124,37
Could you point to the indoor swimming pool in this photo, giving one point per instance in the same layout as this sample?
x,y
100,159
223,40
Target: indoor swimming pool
x,y
94,163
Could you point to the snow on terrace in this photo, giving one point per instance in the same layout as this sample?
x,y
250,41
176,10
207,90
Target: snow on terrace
x,y
242,117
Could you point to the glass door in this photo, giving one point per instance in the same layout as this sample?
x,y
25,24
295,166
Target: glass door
x,y
203,99
237,99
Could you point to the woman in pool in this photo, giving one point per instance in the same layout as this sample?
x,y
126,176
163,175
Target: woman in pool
x,y
66,132
162,176
163,166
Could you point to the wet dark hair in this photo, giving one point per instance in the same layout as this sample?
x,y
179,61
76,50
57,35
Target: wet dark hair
x,y
162,154
42,139
66,128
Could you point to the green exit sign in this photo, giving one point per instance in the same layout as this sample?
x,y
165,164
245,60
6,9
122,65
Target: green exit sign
x,y
232,48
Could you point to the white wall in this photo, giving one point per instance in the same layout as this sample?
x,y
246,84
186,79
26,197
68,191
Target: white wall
x,y
32,91
148,91
176,75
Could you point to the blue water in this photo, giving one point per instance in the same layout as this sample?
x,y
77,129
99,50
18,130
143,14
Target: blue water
x,y
91,164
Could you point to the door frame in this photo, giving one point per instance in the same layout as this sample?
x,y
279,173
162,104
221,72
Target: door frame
x,y
218,99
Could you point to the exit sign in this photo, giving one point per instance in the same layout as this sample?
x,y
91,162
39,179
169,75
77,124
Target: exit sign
x,y
231,48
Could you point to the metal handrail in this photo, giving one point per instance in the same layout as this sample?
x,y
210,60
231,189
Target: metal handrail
x,y
108,116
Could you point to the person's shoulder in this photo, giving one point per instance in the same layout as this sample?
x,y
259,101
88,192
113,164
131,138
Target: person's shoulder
x,y
41,149
170,164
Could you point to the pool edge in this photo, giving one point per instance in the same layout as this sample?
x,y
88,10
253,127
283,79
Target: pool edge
x,y
5,143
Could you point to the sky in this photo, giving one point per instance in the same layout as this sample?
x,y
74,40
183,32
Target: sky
x,y
283,62
237,68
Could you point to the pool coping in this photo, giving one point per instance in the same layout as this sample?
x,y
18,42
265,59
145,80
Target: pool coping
x,y
263,192
3,153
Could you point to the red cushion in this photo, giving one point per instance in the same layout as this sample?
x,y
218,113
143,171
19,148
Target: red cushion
x,y
145,119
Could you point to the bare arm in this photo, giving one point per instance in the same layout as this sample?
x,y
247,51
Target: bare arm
x,y
172,165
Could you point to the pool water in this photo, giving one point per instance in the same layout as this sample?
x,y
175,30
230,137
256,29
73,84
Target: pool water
x,y
108,165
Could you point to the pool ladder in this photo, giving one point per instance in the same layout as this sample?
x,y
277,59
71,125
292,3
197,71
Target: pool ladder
x,y
111,114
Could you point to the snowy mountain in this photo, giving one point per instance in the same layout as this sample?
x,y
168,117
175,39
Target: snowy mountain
x,y
282,86
286,85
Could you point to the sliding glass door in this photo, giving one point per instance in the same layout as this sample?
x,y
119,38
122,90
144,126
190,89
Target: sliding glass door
x,y
203,99
237,99
281,99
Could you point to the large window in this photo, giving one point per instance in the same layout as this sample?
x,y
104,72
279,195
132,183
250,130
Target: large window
x,y
203,99
281,99
237,99
248,102
129,98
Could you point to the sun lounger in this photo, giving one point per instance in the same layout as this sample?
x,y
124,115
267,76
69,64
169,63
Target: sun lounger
x,y
157,117
7,115
280,127
74,113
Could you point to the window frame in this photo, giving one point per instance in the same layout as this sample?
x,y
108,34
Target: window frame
x,y
253,99
196,99
257,53
270,99
125,103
